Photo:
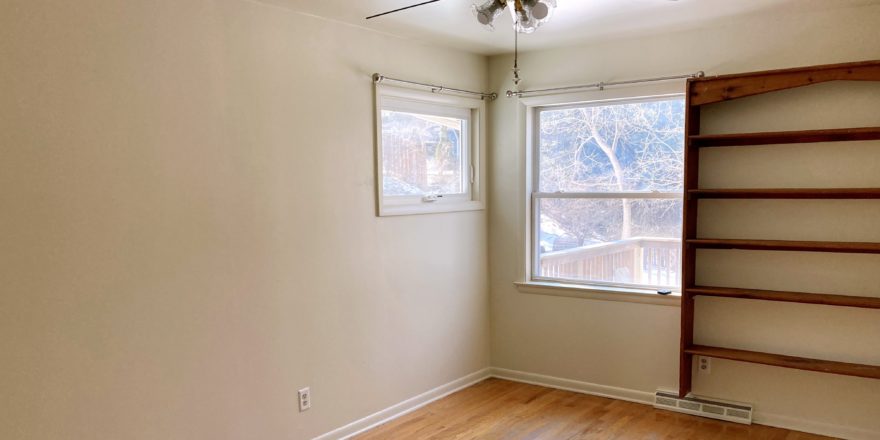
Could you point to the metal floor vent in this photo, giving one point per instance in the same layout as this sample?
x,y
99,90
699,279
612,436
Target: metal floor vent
x,y
715,409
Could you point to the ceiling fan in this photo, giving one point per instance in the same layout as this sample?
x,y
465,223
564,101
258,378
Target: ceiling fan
x,y
527,15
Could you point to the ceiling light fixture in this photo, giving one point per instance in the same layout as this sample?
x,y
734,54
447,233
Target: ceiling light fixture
x,y
528,15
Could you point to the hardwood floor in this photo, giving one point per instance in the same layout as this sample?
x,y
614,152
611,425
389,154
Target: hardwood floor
x,y
500,409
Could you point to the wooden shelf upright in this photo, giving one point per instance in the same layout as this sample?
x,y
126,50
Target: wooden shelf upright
x,y
710,90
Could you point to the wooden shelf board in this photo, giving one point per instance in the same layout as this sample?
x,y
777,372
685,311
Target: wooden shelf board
x,y
778,360
786,193
783,245
795,297
785,137
710,90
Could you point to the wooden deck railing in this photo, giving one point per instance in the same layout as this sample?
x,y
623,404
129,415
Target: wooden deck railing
x,y
639,260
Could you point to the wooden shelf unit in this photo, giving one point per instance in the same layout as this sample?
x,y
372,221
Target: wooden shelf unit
x,y
710,90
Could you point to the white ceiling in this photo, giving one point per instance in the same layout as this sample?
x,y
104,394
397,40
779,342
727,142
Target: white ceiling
x,y
451,22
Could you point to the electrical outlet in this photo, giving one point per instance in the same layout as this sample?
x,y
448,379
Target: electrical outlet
x,y
305,399
704,365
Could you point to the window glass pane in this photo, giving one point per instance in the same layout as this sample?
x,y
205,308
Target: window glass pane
x,y
422,154
613,148
634,241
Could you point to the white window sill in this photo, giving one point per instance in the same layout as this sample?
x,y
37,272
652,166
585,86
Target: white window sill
x,y
430,208
599,293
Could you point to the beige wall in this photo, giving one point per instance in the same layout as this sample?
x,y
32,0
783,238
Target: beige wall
x,y
188,232
635,346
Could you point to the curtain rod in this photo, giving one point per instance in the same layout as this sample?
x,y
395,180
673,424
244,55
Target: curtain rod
x,y
601,85
378,78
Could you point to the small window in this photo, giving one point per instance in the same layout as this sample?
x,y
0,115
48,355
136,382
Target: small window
x,y
428,152
607,193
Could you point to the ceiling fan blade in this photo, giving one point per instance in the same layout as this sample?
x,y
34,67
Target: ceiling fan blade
x,y
401,9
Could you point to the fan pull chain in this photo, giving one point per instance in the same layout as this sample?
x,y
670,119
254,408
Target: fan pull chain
x,y
516,78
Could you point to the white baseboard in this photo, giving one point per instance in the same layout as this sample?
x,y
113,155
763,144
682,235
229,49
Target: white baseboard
x,y
626,394
405,407
813,427
575,385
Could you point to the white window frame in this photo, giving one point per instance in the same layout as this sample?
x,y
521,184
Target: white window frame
x,y
471,110
531,108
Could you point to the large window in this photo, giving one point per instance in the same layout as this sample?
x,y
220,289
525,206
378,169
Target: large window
x,y
607,193
428,152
